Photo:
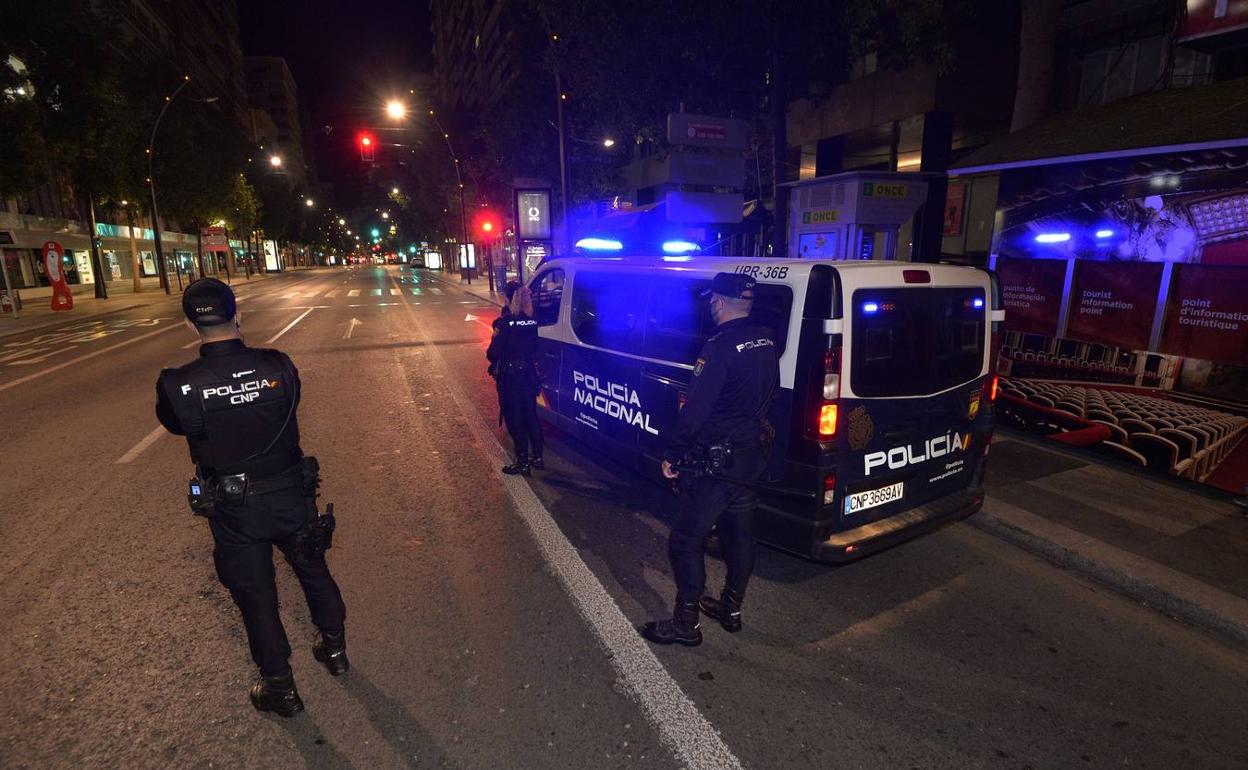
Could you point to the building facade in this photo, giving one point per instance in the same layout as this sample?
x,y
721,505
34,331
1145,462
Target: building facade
x,y
271,90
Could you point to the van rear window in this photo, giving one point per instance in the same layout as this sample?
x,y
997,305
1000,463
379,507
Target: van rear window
x,y
915,341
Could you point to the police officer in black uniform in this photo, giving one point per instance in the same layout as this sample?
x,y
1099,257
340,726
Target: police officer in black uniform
x,y
721,444
513,363
236,406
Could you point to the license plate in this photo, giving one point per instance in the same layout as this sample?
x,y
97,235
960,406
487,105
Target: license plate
x,y
861,501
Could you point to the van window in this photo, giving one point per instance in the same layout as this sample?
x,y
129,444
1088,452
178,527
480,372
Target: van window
x,y
607,309
915,341
547,290
679,321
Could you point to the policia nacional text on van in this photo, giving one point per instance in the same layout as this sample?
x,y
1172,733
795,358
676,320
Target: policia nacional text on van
x,y
236,407
884,410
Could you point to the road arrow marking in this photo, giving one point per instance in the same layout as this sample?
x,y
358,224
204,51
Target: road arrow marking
x,y
354,322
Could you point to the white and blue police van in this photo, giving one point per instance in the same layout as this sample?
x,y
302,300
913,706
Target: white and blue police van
x,y
885,412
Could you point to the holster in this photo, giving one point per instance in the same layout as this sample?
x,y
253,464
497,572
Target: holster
x,y
317,533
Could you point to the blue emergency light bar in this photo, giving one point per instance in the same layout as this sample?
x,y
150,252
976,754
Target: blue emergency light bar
x,y
680,247
870,307
978,303
599,244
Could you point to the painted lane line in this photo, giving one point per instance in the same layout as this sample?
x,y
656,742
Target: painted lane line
x,y
144,443
353,293
376,292
395,292
416,291
682,728
331,294
73,361
436,290
288,327
191,344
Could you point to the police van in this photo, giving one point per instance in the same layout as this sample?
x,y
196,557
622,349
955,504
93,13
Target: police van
x,y
884,416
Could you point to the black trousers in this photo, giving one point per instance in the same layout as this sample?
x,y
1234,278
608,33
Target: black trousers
x,y
712,503
245,536
518,400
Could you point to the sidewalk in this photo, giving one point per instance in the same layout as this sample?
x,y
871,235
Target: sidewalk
x,y
1172,545
37,313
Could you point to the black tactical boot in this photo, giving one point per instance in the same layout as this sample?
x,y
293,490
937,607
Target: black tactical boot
x,y
681,629
537,463
277,694
331,651
519,468
726,609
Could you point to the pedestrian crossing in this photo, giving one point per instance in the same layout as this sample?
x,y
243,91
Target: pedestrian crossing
x,y
424,292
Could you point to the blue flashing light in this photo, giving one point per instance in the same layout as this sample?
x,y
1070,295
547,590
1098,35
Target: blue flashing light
x,y
1052,237
680,247
870,307
1104,233
978,303
599,244
678,259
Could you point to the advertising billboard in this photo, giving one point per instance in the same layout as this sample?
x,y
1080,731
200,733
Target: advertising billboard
x,y
1114,303
1031,291
1205,315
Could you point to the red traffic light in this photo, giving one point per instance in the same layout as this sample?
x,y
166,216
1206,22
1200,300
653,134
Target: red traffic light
x,y
487,226
487,223
366,147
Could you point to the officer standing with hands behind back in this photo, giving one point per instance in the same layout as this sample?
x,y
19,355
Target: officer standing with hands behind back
x,y
236,406
720,447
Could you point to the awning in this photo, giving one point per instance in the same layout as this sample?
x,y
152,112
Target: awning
x,y
1174,120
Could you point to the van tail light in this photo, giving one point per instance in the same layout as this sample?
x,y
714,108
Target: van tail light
x,y
829,489
827,420
829,393
916,276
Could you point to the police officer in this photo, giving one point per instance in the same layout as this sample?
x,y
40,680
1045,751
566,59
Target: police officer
x,y
724,416
513,363
236,406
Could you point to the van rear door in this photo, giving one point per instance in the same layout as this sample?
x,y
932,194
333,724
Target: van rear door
x,y
915,364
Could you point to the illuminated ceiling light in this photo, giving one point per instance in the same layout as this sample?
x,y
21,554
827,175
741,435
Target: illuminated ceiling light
x,y
1052,237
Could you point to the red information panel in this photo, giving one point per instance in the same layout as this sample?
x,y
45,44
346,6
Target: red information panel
x,y
1114,302
1031,290
955,208
1207,315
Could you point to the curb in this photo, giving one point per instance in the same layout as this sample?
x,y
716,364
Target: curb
x,y
1165,590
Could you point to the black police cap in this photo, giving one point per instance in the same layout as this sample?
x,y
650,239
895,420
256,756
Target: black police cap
x,y
208,302
732,285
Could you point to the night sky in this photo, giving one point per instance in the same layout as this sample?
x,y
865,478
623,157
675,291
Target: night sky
x,y
347,59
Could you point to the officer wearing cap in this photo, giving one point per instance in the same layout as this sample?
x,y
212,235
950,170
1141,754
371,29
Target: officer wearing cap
x,y
724,415
236,406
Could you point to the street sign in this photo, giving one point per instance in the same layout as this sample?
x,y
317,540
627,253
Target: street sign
x,y
691,130
214,239
62,297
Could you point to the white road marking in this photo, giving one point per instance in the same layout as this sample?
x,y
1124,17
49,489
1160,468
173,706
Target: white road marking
x,y
416,291
290,295
288,327
376,292
331,294
681,727
143,444
354,322
353,293
436,290
72,361
395,292
191,344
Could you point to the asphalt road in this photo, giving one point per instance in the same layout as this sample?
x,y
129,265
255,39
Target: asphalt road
x,y
488,620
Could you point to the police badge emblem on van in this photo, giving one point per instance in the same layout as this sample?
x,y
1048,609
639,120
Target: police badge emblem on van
x,y
861,428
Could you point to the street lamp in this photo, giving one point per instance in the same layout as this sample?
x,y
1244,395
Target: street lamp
x,y
275,161
151,178
309,203
394,191
396,109
341,222
385,215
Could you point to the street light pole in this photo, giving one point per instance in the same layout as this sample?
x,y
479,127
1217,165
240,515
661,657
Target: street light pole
x,y
563,161
463,213
151,183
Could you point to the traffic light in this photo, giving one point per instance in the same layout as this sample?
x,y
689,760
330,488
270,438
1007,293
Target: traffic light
x,y
487,225
367,147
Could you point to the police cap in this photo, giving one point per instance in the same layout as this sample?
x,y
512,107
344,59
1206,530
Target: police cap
x,y
732,285
209,302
